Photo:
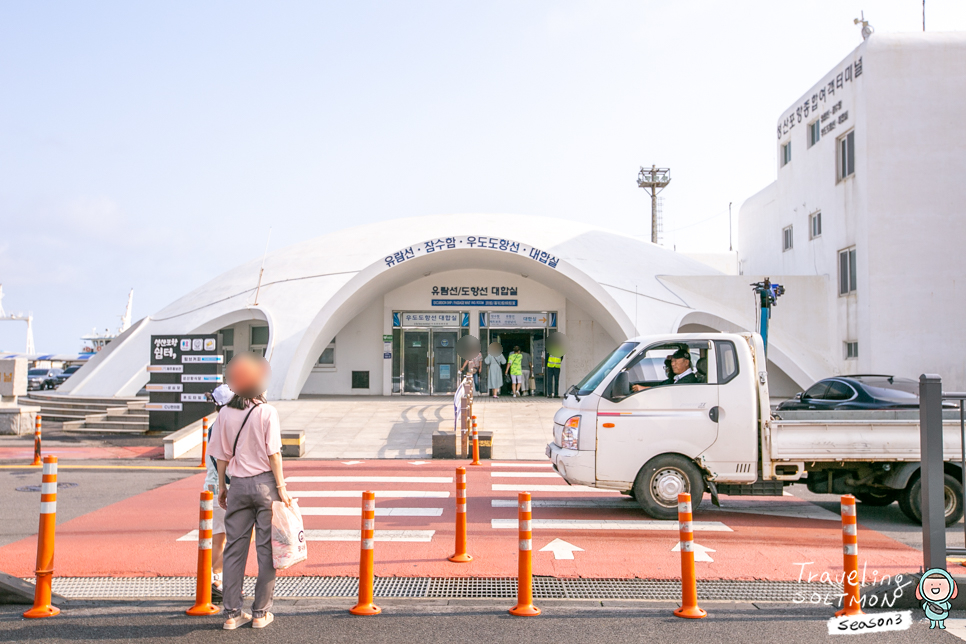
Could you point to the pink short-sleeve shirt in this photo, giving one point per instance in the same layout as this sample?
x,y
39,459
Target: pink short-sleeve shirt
x,y
261,437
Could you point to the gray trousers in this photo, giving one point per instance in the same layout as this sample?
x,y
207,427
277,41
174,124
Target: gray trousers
x,y
249,504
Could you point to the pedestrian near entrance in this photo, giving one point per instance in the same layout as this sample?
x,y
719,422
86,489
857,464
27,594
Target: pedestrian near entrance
x,y
514,368
247,444
472,367
494,372
553,375
527,367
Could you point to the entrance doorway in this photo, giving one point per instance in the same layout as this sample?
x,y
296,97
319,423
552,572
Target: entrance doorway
x,y
531,342
429,361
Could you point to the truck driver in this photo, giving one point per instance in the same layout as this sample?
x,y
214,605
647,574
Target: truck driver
x,y
679,370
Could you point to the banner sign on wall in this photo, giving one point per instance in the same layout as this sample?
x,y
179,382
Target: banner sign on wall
x,y
501,320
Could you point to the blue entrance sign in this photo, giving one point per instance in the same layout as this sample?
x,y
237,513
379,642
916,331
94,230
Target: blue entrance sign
x,y
474,302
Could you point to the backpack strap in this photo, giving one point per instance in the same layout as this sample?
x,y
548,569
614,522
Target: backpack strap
x,y
240,429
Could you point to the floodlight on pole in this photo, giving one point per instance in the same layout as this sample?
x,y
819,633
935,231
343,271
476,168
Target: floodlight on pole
x,y
653,179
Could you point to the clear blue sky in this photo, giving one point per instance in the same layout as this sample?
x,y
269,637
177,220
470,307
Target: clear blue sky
x,y
152,144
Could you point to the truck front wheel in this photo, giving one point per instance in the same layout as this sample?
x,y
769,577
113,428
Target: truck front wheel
x,y
661,480
910,500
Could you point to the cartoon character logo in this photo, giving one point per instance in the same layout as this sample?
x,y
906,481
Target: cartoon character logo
x,y
936,591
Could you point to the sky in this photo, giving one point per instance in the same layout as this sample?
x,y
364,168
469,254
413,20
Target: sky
x,y
152,145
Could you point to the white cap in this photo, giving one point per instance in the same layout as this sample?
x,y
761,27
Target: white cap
x,y
222,395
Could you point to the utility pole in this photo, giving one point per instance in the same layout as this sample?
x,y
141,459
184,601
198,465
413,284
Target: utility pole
x,y
653,180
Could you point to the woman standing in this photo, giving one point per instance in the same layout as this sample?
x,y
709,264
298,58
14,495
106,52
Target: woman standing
x,y
247,443
494,372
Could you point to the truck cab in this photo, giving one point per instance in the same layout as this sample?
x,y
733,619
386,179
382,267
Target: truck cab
x,y
663,415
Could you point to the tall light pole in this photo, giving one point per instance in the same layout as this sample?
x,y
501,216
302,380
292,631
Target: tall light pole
x,y
653,180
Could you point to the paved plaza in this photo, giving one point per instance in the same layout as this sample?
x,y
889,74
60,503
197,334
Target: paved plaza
x,y
402,427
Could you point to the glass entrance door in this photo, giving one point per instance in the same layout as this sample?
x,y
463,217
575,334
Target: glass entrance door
x,y
416,354
445,361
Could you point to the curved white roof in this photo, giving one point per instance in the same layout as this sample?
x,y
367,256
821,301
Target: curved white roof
x,y
310,290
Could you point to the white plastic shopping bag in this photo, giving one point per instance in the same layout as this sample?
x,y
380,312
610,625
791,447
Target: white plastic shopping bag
x,y
288,535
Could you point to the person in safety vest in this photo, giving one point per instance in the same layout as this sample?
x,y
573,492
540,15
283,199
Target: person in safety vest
x,y
553,375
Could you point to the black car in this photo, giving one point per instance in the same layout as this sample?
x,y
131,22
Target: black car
x,y
41,378
62,377
858,392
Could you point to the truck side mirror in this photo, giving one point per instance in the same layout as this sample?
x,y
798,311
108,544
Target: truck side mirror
x,y
621,387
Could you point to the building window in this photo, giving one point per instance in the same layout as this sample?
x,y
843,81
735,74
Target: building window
x,y
847,271
227,344
814,132
815,225
788,239
327,359
259,340
851,350
360,379
846,156
786,154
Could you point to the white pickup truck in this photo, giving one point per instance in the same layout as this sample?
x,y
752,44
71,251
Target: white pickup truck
x,y
628,426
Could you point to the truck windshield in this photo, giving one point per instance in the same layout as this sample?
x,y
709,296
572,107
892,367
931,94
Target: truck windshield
x,y
598,373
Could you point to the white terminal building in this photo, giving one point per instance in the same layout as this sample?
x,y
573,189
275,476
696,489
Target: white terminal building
x,y
863,228
870,198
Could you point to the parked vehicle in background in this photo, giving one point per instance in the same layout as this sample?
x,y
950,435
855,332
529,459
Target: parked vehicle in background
x,y
857,392
62,377
41,378
635,428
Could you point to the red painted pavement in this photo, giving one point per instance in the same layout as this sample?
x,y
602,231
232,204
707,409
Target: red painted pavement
x,y
26,453
137,536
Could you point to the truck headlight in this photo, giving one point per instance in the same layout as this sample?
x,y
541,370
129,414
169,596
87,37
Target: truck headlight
x,y
570,433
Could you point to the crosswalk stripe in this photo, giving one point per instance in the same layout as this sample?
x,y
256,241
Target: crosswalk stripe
x,y
382,494
380,512
572,524
522,487
521,464
410,536
525,475
369,479
623,502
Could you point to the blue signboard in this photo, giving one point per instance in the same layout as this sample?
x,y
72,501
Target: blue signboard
x,y
474,303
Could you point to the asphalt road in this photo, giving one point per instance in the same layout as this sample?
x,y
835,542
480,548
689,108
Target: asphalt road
x,y
403,622
95,489
888,520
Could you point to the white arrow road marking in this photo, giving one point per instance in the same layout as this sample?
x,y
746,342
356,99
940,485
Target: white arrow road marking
x,y
612,524
561,549
700,552
351,462
418,462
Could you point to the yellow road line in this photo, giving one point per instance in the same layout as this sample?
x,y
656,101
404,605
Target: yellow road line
x,y
62,466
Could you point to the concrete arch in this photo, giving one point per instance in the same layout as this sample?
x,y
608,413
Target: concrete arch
x,y
376,280
697,321
249,313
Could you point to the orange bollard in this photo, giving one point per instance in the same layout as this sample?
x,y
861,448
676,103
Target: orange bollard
x,y
366,561
689,585
460,556
850,564
45,542
37,442
204,441
524,606
476,444
203,605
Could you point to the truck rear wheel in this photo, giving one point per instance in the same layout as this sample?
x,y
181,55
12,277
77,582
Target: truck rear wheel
x,y
661,480
910,500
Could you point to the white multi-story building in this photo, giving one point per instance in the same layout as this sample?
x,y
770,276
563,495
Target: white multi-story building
x,y
871,196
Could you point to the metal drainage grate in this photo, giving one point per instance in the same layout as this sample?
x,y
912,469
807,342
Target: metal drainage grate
x,y
452,588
